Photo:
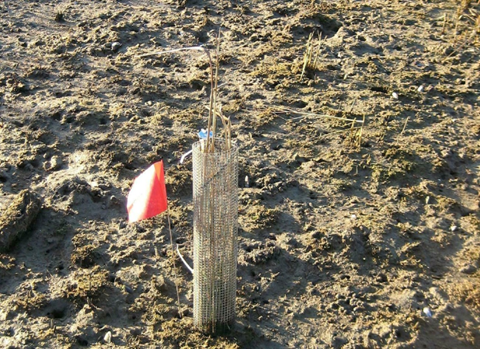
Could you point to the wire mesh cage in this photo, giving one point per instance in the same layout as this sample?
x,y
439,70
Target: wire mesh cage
x,y
215,230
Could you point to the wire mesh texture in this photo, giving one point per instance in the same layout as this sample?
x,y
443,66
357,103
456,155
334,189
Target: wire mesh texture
x,y
215,231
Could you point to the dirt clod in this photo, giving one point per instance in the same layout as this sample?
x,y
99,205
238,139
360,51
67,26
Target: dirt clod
x,y
17,218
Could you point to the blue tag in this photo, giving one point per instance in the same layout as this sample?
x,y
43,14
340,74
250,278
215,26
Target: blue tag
x,y
203,134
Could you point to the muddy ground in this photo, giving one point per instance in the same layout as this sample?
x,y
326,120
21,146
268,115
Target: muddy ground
x,y
359,234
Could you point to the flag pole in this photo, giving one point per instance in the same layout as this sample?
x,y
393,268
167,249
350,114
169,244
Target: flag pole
x,y
174,264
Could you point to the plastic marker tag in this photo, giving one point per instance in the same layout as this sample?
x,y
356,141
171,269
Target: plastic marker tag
x,y
203,134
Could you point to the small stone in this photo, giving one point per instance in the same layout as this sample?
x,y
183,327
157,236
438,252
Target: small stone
x,y
395,95
113,201
115,46
468,269
55,163
108,337
381,278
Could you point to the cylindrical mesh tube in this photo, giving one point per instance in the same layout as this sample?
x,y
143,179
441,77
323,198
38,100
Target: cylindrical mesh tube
x,y
215,230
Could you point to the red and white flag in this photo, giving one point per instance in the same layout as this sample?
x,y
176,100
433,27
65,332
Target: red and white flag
x,y
148,196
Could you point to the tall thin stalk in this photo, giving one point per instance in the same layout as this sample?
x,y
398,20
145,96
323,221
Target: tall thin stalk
x,y
213,111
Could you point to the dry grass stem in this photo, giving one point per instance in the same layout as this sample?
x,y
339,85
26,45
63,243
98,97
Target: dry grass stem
x,y
213,110
326,116
405,125
311,55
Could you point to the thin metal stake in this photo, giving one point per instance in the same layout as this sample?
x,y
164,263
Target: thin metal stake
x,y
173,257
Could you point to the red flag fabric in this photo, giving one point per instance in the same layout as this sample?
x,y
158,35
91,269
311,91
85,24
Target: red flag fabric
x,y
148,196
